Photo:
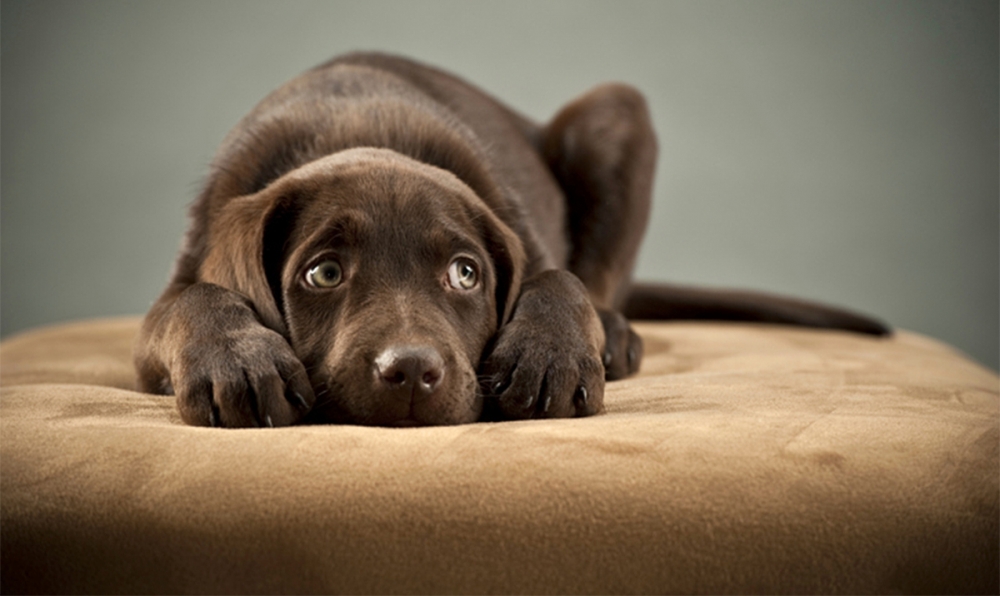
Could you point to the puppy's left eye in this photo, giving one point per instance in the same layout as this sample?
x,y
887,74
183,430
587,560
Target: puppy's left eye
x,y
463,274
327,274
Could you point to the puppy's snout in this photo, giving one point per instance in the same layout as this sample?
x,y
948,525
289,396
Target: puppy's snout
x,y
410,371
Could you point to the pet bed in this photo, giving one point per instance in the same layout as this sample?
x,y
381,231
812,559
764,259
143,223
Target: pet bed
x,y
743,458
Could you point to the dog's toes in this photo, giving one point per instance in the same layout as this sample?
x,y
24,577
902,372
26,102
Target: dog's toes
x,y
195,404
622,347
546,362
256,381
235,401
294,396
272,407
511,390
543,385
522,397
573,388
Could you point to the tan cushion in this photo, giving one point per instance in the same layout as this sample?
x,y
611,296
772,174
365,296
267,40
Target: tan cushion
x,y
742,459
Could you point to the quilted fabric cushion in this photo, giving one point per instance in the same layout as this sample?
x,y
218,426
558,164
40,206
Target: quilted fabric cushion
x,y
741,459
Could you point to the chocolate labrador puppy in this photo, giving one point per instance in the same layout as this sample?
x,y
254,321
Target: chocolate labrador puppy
x,y
379,242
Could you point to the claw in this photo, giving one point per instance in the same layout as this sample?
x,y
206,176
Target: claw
x,y
300,401
580,397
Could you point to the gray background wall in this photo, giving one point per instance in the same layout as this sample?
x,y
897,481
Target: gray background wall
x,y
840,151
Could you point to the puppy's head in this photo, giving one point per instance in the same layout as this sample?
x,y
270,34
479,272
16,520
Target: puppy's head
x,y
388,277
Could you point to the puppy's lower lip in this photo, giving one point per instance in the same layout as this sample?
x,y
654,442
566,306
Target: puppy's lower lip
x,y
405,423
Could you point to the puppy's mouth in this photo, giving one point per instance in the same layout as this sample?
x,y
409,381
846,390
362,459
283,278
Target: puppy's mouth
x,y
407,423
386,397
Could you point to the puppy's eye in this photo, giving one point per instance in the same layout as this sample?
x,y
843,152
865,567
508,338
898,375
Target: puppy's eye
x,y
327,274
463,274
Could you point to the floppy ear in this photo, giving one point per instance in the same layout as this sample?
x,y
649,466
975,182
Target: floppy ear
x,y
509,261
246,250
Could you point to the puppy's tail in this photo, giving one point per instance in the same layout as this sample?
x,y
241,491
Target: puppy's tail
x,y
670,302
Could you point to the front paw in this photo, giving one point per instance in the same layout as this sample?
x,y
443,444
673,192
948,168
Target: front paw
x,y
248,377
546,362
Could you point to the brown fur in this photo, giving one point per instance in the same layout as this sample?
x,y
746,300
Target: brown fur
x,y
408,183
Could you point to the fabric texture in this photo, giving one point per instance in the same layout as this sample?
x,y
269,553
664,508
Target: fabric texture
x,y
741,459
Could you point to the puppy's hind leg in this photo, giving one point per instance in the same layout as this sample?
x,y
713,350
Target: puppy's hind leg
x,y
602,150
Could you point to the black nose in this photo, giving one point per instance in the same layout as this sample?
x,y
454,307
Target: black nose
x,y
411,371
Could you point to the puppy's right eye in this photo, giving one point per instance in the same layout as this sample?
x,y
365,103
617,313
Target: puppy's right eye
x,y
327,274
462,274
